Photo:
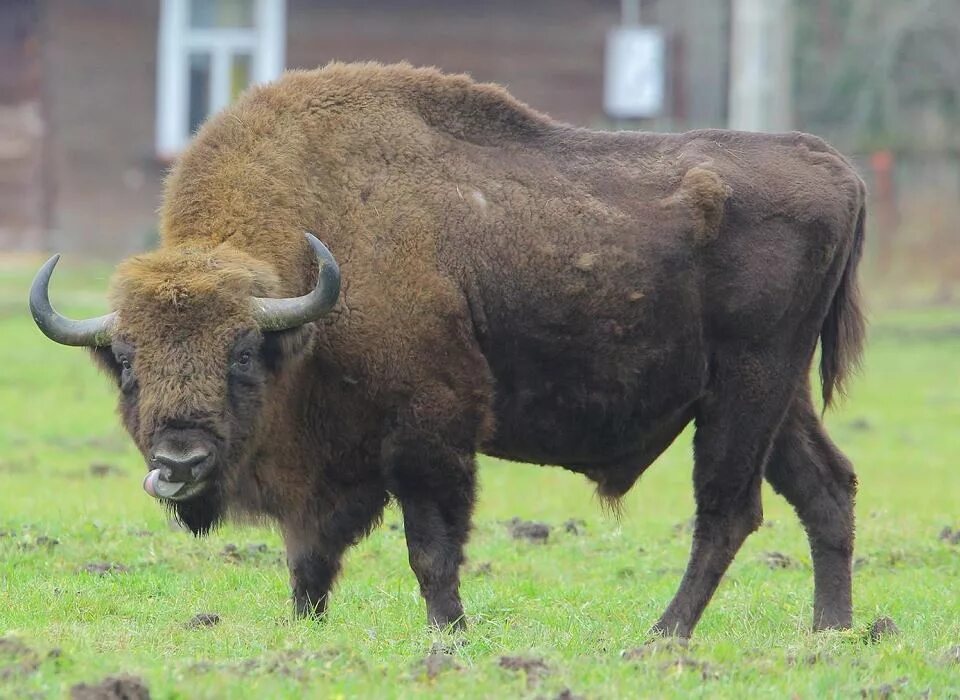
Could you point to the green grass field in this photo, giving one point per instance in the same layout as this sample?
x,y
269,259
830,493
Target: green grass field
x,y
95,582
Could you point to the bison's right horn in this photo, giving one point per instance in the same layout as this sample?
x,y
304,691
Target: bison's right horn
x,y
90,332
281,314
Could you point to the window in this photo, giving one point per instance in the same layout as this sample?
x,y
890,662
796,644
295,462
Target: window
x,y
209,51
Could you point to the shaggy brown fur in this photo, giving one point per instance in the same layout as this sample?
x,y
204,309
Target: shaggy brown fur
x,y
511,285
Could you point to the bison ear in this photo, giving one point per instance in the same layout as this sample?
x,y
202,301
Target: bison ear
x,y
282,346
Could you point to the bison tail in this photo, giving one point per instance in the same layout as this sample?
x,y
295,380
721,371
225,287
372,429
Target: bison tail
x,y
844,329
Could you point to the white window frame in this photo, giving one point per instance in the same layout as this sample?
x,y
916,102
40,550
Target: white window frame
x,y
265,42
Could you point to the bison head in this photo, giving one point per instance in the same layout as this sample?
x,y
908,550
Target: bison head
x,y
196,340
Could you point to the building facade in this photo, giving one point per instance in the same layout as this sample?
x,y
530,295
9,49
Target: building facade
x,y
97,96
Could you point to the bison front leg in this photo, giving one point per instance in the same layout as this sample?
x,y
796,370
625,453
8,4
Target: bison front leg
x,y
311,577
316,541
435,486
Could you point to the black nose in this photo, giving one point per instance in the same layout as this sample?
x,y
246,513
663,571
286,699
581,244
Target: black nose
x,y
177,466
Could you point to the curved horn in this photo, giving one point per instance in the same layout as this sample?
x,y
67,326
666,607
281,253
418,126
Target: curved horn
x,y
90,332
281,314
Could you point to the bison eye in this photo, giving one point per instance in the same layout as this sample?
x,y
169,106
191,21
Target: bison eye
x,y
243,359
126,373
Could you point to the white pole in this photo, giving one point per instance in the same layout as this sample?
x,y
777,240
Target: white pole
x,y
761,52
272,24
629,12
171,124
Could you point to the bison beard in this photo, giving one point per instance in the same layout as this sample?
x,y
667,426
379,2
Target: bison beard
x,y
512,286
202,513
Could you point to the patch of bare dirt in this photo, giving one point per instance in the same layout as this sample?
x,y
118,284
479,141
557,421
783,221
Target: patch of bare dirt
x,y
883,627
779,560
884,691
949,535
533,668
685,664
18,467
251,553
483,568
953,655
529,530
203,620
112,688
102,470
809,659
674,658
567,694
104,568
16,658
40,542
655,647
294,664
437,662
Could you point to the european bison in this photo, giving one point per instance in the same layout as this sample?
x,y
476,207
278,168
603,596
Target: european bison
x,y
510,285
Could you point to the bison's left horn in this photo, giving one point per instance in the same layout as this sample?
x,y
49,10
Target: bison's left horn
x,y
281,314
90,332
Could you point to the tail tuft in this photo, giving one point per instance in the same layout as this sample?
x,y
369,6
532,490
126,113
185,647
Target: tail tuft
x,y
844,329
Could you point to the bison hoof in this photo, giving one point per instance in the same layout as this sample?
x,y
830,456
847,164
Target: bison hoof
x,y
456,624
453,620
834,623
665,629
304,608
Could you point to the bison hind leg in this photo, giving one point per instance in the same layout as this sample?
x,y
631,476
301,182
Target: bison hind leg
x,y
809,471
736,423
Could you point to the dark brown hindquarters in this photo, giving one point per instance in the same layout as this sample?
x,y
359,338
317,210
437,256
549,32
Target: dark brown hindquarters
x,y
757,415
808,470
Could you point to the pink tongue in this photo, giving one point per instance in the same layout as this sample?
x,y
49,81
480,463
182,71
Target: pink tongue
x,y
149,482
160,489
